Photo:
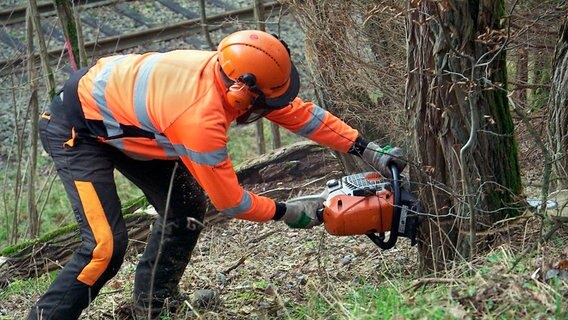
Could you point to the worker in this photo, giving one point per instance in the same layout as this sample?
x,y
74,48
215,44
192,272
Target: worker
x,y
161,119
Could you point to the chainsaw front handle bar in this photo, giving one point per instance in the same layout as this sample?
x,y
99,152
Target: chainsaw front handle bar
x,y
393,237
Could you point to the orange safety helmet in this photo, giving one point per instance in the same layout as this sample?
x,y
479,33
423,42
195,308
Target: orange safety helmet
x,y
256,66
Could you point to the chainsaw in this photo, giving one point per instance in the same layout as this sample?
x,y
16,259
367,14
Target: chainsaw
x,y
369,204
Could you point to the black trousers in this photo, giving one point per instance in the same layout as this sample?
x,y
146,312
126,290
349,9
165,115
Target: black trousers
x,y
86,168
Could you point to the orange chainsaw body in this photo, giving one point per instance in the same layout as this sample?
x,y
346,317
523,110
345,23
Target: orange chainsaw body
x,y
368,204
347,215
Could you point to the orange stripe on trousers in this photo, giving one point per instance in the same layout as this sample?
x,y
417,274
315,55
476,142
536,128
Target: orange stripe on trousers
x,y
101,231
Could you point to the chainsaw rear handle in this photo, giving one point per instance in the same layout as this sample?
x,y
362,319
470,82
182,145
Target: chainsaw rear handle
x,y
380,239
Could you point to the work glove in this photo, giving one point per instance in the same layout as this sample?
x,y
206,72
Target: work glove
x,y
381,158
302,214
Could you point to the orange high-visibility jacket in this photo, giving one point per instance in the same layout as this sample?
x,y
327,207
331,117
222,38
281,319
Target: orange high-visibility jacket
x,y
169,106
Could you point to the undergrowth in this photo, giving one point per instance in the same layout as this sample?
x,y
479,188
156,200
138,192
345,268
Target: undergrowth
x,y
486,289
477,297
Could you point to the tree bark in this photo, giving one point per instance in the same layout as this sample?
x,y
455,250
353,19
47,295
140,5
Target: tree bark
x,y
558,104
466,157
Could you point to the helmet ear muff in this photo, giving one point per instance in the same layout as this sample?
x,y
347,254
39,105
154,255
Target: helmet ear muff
x,y
238,96
239,93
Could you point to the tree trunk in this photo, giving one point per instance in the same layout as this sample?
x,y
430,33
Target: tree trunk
x,y
466,157
274,129
69,27
541,77
80,38
558,104
33,218
49,77
205,26
260,140
522,77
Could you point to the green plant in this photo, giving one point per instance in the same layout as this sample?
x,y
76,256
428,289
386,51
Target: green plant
x,y
23,287
368,301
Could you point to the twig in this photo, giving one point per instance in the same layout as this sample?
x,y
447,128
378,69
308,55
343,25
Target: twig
x,y
262,237
192,309
421,282
245,257
162,238
236,265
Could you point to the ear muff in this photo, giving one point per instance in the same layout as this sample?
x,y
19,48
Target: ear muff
x,y
239,94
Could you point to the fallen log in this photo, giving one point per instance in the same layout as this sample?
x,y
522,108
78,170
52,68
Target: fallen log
x,y
280,174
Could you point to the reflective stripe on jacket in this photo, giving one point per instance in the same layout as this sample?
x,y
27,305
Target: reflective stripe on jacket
x,y
168,106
